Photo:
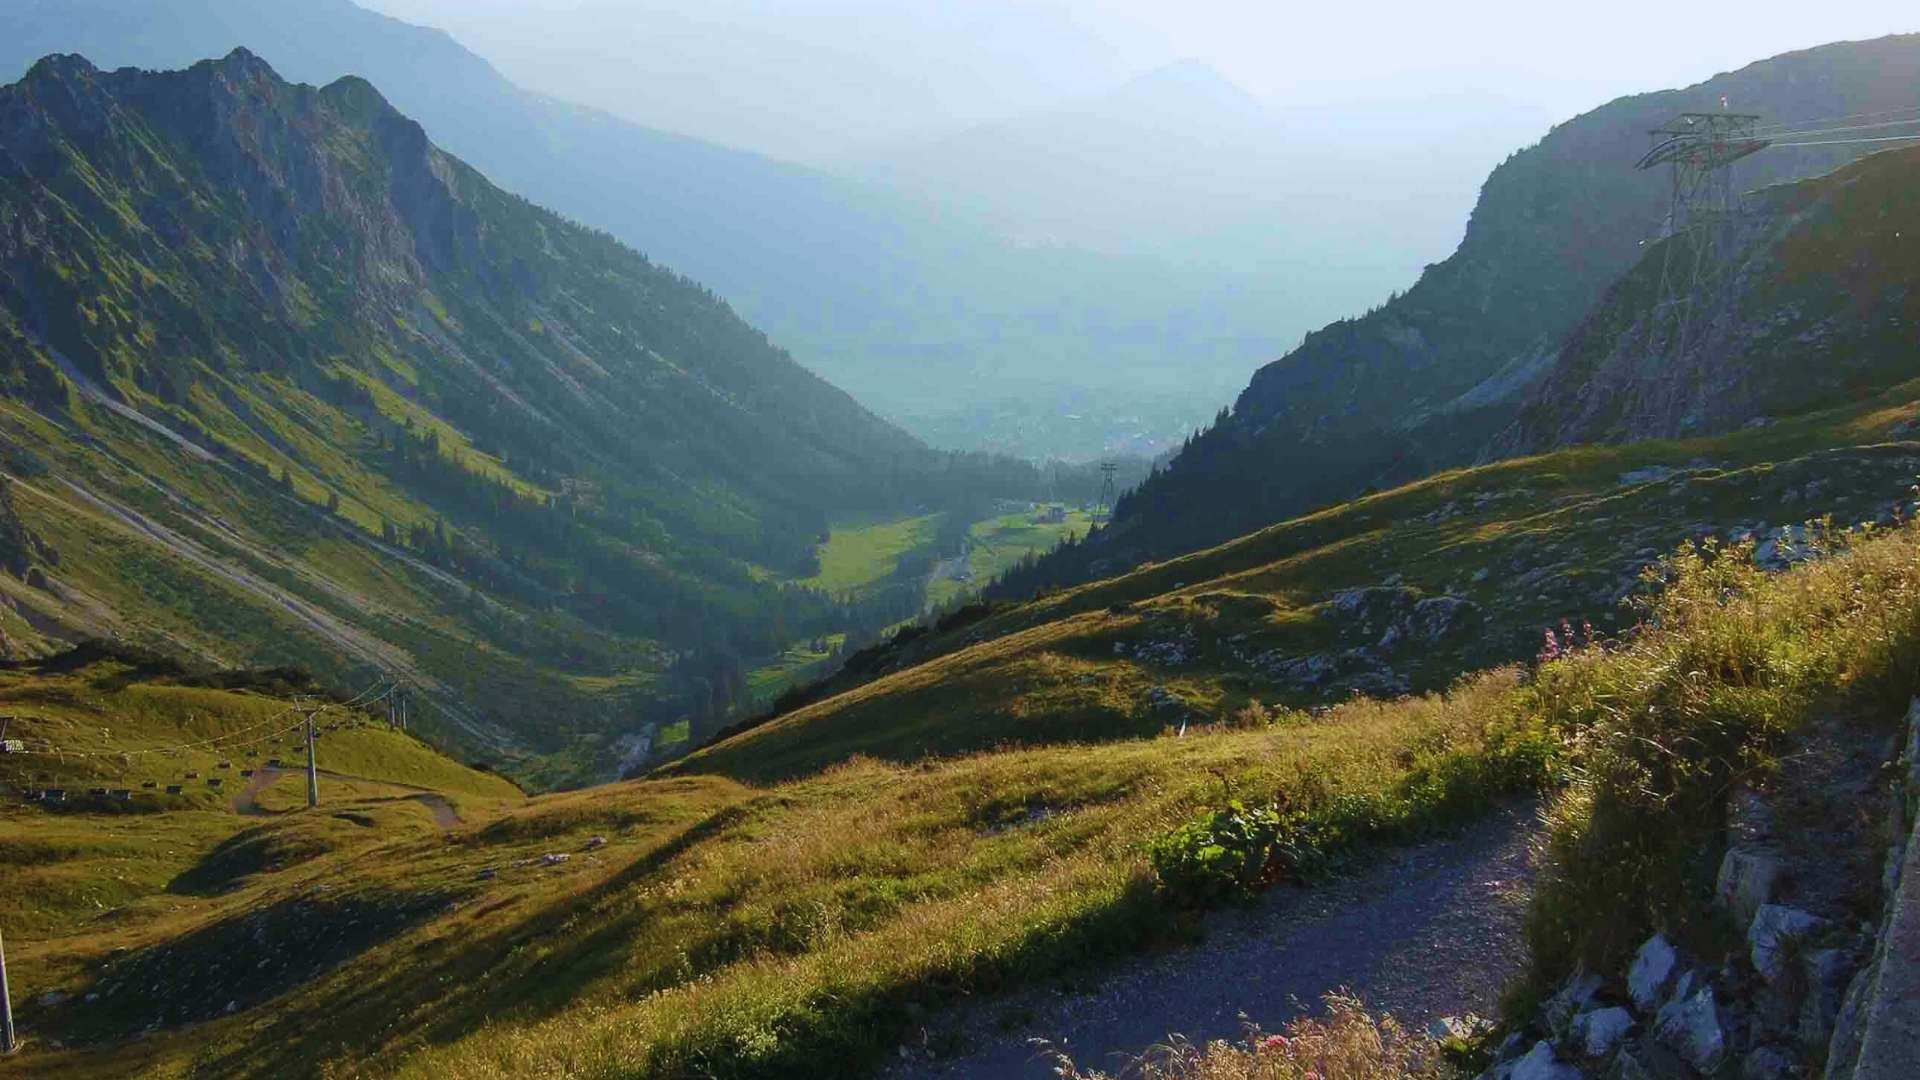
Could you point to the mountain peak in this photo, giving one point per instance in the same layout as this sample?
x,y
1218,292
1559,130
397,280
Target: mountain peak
x,y
59,66
1190,88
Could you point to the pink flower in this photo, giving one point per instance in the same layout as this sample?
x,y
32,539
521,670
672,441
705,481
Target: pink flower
x,y
1274,1044
1551,649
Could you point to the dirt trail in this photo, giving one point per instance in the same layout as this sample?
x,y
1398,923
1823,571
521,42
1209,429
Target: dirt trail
x,y
1421,932
247,799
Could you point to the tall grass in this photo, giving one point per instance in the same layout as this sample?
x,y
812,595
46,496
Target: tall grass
x,y
803,929
1345,1043
1662,726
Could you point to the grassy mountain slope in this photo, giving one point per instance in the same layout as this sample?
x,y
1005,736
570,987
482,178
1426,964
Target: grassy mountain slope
x,y
1328,604
711,929
1414,385
286,382
702,927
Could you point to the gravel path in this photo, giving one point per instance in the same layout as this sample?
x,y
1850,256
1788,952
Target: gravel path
x,y
1420,932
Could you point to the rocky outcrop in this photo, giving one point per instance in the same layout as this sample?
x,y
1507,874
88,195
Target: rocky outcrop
x,y
1809,993
1389,624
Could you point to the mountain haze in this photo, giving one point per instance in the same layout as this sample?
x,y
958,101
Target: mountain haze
x,y
922,313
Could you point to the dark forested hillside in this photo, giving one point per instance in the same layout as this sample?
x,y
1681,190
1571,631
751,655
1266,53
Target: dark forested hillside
x,y
1424,380
259,297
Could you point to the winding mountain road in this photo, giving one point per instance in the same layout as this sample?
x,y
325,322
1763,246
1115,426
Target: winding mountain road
x,y
1422,932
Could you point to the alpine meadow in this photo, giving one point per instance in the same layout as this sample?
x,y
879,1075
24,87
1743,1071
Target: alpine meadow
x,y
958,539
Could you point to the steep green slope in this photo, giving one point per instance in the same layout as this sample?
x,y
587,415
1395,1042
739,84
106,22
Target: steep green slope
x,y
1416,384
286,382
1394,593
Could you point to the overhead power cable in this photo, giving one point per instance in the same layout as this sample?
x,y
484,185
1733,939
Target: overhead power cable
x,y
230,739
1850,142
1841,130
1792,126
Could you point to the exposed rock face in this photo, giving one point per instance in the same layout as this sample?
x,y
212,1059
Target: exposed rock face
x,y
1390,623
1746,882
1653,971
1774,937
1821,305
1694,1028
1599,1032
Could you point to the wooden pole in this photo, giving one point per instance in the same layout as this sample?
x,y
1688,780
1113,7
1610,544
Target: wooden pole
x,y
313,767
7,1043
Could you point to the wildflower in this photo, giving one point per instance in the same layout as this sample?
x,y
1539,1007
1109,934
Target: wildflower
x,y
1551,650
1274,1044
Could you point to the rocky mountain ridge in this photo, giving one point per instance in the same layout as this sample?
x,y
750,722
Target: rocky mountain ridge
x,y
1419,383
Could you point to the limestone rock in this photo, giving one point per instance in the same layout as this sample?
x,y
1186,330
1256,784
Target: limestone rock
x,y
1747,882
1766,1063
1572,999
1598,1032
1775,928
1539,1064
1828,973
1653,970
1694,1027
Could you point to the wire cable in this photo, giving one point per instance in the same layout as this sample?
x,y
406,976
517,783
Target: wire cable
x,y
1791,126
1851,142
54,750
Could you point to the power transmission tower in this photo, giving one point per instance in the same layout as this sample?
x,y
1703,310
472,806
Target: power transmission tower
x,y
1103,510
1698,149
7,1042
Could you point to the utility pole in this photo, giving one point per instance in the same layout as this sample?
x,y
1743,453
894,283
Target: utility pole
x,y
7,1042
1103,510
313,766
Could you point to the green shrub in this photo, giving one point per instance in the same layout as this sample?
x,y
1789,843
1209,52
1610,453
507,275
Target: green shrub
x,y
1233,853
1226,855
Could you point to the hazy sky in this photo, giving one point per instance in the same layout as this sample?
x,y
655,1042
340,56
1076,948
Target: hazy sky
x,y
812,79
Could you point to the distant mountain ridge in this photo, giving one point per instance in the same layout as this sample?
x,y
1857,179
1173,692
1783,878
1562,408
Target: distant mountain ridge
x,y
918,312
353,406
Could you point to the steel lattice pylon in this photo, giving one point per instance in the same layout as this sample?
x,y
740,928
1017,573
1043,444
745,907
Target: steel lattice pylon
x,y
1699,149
